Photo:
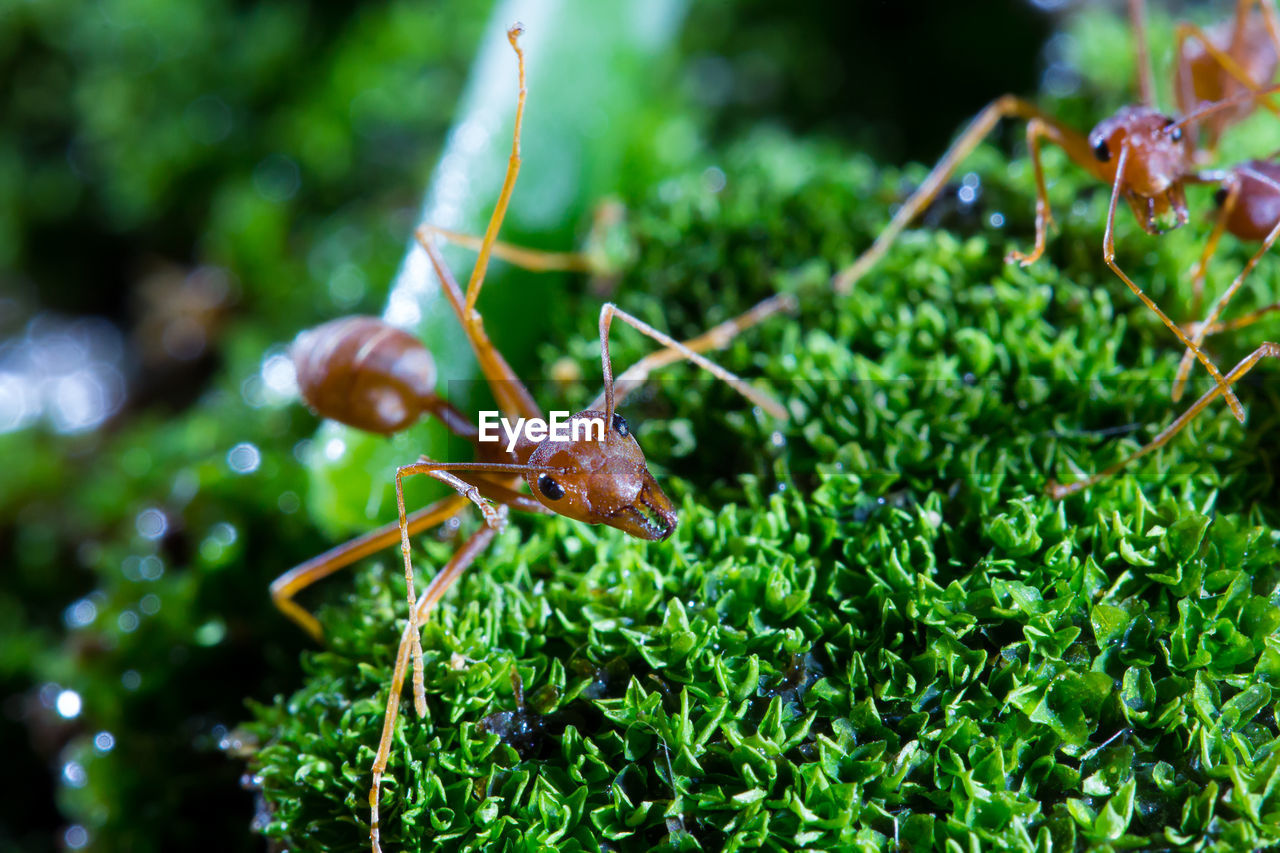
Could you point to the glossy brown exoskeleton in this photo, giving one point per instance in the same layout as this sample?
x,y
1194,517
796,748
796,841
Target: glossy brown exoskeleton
x,y
367,374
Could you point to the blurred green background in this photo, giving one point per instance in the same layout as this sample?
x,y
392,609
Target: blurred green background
x,y
185,186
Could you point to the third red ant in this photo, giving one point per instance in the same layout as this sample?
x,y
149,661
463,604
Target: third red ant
x,y
1144,155
367,374
1222,63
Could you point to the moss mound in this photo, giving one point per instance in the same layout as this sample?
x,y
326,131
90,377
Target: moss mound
x,y
871,627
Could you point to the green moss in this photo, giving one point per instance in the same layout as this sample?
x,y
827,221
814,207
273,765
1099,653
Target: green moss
x,y
871,623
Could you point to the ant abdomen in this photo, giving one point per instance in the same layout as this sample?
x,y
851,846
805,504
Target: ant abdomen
x,y
1258,209
365,373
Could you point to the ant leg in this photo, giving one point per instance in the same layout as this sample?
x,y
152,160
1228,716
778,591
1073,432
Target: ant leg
x,y
717,337
1243,321
508,182
463,558
1077,148
1267,350
1197,287
1201,269
494,518
608,311
534,260
292,582
1271,20
511,394
1109,256
1141,56
1221,303
1036,129
1186,86
1184,91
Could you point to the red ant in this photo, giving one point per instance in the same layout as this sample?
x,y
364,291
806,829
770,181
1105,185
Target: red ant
x,y
367,374
1250,209
1230,59
1143,154
1222,63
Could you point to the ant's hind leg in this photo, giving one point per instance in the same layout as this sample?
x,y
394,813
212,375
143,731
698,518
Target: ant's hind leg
x,y
508,182
463,558
1267,350
292,582
511,394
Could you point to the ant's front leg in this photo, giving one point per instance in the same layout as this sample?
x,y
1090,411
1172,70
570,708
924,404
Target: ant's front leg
x,y
409,640
483,494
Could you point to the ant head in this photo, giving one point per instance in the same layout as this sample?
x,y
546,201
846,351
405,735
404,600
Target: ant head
x,y
601,478
1159,153
1157,159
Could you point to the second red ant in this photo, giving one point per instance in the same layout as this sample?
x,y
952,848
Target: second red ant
x,y
1144,155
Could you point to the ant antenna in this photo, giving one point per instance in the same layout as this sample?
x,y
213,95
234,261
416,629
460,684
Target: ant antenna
x,y
1219,106
608,311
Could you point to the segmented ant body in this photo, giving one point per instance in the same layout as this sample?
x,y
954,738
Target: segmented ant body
x,y
365,373
1144,155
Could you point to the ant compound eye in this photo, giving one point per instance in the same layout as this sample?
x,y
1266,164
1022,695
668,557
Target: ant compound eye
x,y
1220,197
1102,151
620,425
552,490
1176,133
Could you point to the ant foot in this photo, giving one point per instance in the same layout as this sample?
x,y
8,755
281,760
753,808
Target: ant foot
x,y
1022,260
1057,491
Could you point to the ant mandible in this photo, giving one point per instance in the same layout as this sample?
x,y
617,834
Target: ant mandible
x,y
1143,154
367,374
